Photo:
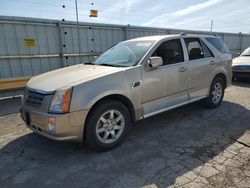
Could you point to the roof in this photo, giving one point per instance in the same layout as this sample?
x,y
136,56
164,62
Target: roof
x,y
160,37
154,38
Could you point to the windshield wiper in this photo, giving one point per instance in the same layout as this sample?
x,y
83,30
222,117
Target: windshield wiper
x,y
106,64
89,63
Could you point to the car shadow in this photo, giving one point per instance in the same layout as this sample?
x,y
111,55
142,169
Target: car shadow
x,y
157,151
242,82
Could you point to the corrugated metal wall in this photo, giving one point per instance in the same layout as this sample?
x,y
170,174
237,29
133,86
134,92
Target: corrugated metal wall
x,y
57,44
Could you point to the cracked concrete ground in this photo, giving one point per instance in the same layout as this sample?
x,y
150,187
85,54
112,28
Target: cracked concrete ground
x,y
187,147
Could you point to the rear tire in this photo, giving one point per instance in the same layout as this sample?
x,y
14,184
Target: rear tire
x,y
107,125
216,93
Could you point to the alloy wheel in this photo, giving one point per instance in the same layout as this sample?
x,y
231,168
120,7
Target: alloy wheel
x,y
217,93
110,126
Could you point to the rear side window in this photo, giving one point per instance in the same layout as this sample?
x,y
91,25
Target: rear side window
x,y
218,44
206,50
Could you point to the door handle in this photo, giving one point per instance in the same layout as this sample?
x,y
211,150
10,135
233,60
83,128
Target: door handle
x,y
212,63
182,69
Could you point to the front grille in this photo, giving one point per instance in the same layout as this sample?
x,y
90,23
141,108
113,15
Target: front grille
x,y
33,98
241,67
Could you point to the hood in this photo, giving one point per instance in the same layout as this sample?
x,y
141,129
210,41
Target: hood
x,y
241,60
69,76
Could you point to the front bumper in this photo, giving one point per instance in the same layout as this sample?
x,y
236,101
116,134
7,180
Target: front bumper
x,y
69,126
241,71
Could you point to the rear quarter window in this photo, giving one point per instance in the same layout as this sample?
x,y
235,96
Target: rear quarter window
x,y
218,44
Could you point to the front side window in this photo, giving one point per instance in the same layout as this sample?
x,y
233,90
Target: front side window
x,y
124,54
194,48
170,51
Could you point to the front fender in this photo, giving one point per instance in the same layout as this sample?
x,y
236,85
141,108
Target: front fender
x,y
85,95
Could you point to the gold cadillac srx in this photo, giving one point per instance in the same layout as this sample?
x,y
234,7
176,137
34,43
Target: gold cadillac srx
x,y
96,102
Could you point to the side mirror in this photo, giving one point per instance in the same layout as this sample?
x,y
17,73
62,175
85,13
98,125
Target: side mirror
x,y
238,54
155,62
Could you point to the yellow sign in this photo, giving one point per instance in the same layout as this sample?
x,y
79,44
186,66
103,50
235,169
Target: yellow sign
x,y
93,13
29,42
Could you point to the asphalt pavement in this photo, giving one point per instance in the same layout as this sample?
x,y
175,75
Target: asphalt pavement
x,y
187,147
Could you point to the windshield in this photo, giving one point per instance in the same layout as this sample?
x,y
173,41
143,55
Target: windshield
x,y
246,52
124,54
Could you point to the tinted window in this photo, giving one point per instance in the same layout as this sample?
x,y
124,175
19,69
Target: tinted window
x,y
218,44
170,52
194,48
207,53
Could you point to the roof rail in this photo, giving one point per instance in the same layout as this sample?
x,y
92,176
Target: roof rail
x,y
183,34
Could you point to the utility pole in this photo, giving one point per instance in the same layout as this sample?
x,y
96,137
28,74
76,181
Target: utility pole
x,y
78,32
211,28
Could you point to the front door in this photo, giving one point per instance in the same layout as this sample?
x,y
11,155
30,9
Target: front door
x,y
153,89
165,86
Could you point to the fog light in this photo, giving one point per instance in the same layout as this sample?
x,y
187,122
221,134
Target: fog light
x,y
52,125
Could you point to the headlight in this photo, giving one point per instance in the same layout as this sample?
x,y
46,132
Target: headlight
x,y
61,101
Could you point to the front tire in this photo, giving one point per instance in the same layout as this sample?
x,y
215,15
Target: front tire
x,y
234,78
107,125
216,93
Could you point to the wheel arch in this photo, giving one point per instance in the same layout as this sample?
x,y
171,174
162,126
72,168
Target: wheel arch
x,y
118,97
223,76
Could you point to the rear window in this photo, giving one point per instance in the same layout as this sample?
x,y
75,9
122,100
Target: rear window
x,y
218,44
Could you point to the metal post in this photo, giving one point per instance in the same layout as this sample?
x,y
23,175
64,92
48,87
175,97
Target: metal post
x,y
170,31
124,31
241,40
127,30
78,32
61,44
212,24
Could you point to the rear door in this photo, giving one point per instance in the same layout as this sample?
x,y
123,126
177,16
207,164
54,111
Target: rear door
x,y
201,63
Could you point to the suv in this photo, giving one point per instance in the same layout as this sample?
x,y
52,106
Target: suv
x,y
96,102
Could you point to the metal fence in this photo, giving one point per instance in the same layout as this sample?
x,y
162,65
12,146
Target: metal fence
x,y
30,46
